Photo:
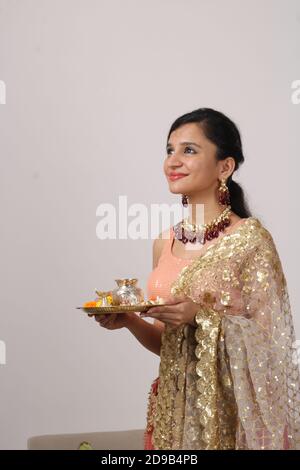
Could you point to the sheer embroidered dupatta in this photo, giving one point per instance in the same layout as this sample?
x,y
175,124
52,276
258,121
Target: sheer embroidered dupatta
x,y
231,382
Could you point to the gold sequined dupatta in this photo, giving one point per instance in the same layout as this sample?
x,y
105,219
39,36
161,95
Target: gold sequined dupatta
x,y
233,381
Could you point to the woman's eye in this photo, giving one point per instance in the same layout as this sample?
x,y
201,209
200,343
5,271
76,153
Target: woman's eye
x,y
189,148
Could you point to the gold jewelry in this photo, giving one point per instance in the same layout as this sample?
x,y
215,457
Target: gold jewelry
x,y
223,195
188,232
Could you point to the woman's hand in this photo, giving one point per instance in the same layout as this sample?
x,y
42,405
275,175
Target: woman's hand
x,y
179,311
114,321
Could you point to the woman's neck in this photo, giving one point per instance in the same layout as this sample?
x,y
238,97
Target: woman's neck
x,y
203,213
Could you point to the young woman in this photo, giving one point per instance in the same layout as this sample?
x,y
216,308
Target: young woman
x,y
228,374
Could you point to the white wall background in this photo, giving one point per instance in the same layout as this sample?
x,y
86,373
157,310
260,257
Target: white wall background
x,y
92,89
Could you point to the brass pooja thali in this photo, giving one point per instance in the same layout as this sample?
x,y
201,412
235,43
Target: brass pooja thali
x,y
126,298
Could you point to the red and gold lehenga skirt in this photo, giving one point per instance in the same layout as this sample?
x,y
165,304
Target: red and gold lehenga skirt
x,y
150,414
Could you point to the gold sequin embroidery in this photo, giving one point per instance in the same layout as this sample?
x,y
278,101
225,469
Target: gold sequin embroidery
x,y
231,381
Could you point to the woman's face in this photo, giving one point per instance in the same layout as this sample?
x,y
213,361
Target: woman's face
x,y
190,153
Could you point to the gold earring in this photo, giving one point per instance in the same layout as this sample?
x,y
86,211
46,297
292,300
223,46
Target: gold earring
x,y
223,193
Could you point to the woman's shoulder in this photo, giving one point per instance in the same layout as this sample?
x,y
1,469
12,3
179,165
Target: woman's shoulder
x,y
260,254
257,236
163,238
254,228
160,243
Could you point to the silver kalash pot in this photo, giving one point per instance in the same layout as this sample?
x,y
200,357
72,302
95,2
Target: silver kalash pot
x,y
127,292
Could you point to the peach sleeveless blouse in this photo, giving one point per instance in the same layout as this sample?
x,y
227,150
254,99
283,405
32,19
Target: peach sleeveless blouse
x,y
166,271
169,265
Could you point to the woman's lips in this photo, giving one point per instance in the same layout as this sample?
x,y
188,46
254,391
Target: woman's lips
x,y
177,176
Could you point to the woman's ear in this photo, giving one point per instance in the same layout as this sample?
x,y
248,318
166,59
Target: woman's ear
x,y
227,167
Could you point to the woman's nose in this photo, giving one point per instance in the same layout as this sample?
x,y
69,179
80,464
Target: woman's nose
x,y
174,160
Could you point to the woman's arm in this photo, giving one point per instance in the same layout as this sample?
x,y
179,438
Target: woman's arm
x,y
149,335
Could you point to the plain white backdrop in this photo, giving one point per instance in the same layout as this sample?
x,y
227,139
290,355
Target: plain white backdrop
x,y
92,87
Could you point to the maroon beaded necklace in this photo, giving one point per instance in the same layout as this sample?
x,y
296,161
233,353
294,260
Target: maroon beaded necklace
x,y
188,232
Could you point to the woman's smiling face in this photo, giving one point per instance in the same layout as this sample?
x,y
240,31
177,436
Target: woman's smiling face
x,y
189,152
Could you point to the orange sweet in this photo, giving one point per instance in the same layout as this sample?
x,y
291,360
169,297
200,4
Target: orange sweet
x,y
152,297
91,303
